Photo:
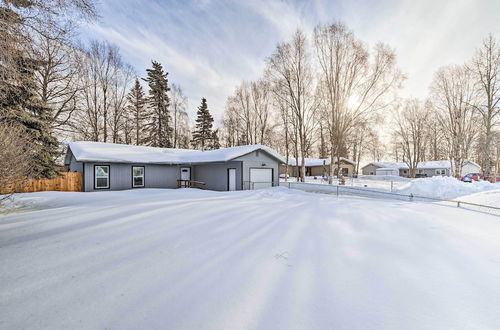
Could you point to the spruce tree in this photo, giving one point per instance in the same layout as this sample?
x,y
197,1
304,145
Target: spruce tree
x,y
19,104
202,134
215,143
137,110
158,126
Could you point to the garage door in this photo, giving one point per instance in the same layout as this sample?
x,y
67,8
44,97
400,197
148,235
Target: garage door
x,y
261,178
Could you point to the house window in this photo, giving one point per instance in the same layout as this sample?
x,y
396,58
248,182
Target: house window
x,y
101,176
137,176
440,172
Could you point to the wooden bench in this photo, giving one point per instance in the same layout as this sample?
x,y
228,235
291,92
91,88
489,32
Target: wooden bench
x,y
191,184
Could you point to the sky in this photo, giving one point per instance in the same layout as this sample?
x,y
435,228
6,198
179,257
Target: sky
x,y
209,46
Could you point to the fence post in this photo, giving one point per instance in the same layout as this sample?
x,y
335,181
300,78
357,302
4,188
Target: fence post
x,y
411,197
253,185
458,204
392,182
289,185
337,190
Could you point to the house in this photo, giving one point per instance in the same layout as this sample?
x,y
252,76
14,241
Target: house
x,y
319,166
108,166
424,169
371,168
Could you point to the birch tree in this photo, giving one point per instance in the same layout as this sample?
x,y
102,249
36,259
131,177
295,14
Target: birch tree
x,y
453,98
485,68
291,74
178,104
411,121
356,82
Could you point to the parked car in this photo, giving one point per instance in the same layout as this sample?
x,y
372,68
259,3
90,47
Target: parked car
x,y
472,176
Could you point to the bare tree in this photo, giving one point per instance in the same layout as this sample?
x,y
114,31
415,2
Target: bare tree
x,y
248,111
16,157
120,84
453,99
354,83
291,74
105,80
485,68
178,104
411,120
21,20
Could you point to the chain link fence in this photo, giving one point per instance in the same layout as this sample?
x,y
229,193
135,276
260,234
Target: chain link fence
x,y
374,193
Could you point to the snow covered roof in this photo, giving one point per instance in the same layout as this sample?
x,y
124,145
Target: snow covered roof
x,y
435,164
317,161
388,165
85,151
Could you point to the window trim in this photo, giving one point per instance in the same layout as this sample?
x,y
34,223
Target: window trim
x,y
143,176
109,177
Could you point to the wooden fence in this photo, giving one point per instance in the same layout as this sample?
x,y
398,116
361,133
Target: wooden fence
x,y
68,181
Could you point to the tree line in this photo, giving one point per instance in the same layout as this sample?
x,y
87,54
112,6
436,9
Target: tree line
x,y
331,95
55,89
325,94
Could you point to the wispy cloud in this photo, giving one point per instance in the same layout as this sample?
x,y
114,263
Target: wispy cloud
x,y
208,47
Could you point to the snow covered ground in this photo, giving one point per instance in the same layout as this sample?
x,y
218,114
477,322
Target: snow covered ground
x,y
385,183
268,259
445,187
433,187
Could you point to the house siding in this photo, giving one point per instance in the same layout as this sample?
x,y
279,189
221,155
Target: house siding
x,y
155,176
369,170
429,172
318,170
470,168
257,159
215,175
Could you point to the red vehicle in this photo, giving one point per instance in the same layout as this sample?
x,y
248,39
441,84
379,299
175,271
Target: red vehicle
x,y
472,176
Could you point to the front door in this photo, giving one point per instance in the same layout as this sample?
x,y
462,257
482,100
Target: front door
x,y
231,179
185,173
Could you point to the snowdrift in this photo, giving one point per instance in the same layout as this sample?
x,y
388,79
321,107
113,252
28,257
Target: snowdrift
x,y
490,198
444,187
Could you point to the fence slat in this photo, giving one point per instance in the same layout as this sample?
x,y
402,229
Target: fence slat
x,y
68,181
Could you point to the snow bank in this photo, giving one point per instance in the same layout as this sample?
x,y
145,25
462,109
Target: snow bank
x,y
267,259
443,187
383,178
490,198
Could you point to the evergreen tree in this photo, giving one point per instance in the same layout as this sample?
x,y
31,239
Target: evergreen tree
x,y
158,126
19,103
137,110
215,143
202,134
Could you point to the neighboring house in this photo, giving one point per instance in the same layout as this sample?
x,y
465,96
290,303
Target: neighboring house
x,y
319,166
107,166
424,169
387,171
371,168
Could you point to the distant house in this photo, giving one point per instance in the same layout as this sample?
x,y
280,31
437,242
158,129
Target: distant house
x,y
424,169
319,166
107,166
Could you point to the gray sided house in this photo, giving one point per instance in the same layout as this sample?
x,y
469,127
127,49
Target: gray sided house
x,y
424,169
107,166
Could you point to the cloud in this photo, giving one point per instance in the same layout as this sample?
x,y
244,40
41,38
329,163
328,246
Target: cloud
x,y
209,47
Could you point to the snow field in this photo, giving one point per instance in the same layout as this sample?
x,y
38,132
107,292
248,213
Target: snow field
x,y
268,259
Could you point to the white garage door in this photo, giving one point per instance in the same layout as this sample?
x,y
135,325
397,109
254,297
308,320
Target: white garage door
x,y
261,178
